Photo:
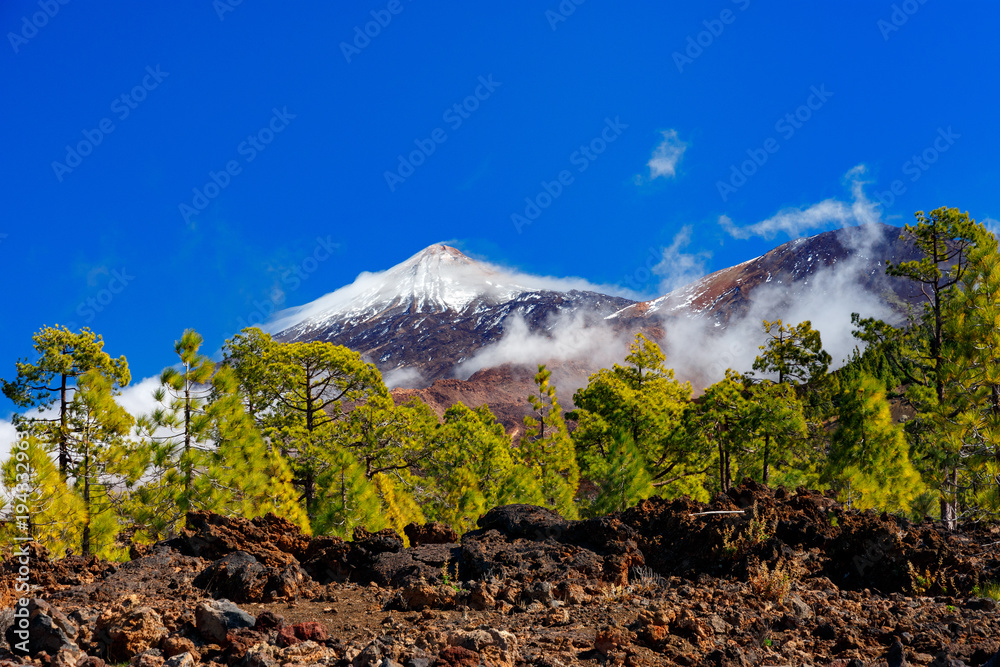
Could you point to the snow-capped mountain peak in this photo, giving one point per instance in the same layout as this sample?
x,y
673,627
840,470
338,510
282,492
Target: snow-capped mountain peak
x,y
438,279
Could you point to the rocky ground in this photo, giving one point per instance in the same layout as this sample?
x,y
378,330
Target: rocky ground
x,y
757,577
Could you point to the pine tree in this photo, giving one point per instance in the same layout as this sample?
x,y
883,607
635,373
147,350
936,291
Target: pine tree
x,y
317,386
101,459
179,437
547,448
927,352
794,357
719,420
250,355
973,361
777,424
55,513
63,357
627,482
521,486
250,478
869,458
347,498
471,462
640,398
206,452
794,354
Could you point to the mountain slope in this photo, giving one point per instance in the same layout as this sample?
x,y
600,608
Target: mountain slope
x,y
421,318
856,256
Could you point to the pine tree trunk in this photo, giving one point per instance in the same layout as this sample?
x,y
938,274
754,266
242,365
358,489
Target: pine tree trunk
x,y
766,477
188,473
85,541
722,469
949,500
309,492
63,429
729,477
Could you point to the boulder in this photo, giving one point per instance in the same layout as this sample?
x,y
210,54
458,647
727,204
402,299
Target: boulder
x,y
272,540
217,618
300,632
181,660
41,627
430,533
148,658
176,645
127,630
239,576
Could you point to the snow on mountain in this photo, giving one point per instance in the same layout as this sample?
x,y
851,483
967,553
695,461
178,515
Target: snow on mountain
x,y
813,268
441,314
423,317
435,280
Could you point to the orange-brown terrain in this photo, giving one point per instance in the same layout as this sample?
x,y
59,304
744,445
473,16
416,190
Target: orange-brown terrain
x,y
756,577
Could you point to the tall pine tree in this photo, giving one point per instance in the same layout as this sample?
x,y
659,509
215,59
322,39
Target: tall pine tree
x,y
63,356
546,447
869,458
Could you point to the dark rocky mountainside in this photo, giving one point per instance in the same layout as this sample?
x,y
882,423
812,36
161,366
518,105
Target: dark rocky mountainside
x,y
437,309
421,319
757,577
858,255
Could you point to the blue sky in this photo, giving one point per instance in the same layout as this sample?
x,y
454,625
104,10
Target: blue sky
x,y
189,164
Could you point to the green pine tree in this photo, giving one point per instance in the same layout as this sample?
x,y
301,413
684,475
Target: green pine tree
x,y
317,386
546,447
63,356
927,351
102,461
627,482
471,462
640,398
55,513
869,458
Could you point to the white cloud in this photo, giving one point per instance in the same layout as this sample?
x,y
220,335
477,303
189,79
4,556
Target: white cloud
x,y
665,157
575,338
679,268
137,399
403,377
8,436
992,225
829,212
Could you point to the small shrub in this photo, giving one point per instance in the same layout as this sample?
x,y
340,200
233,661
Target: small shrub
x,y
646,580
757,532
446,575
922,583
987,589
771,584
